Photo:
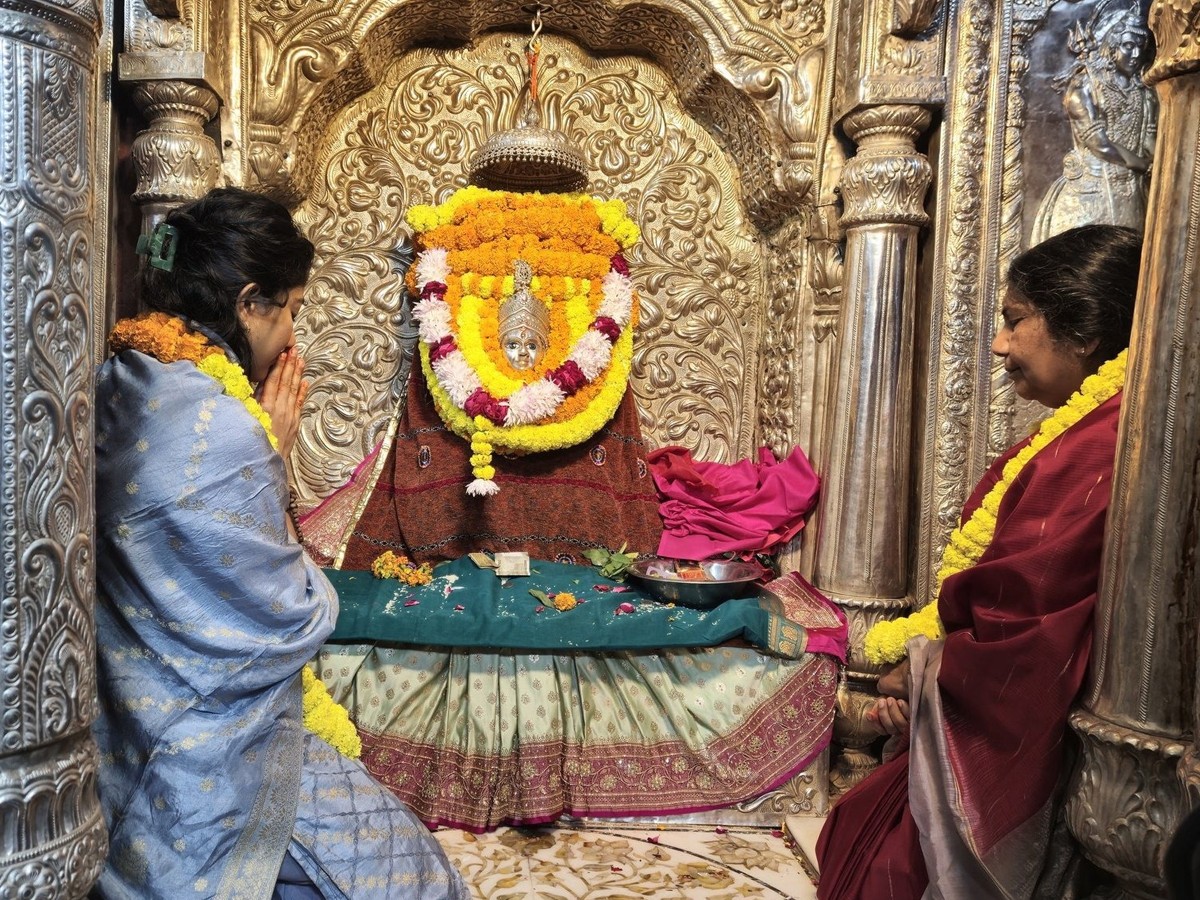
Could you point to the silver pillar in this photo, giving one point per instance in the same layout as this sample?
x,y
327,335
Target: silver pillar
x,y
862,552
52,835
1140,713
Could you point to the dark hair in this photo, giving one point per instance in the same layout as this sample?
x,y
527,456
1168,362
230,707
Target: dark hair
x,y
1083,282
229,238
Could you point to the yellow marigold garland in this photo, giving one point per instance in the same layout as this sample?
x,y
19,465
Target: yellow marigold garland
x,y
328,719
168,339
886,642
572,242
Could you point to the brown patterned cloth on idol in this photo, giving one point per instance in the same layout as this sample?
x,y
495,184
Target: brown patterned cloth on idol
x,y
558,503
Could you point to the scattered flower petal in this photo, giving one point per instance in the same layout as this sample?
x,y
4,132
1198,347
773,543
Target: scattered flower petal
x,y
720,830
412,603
458,607
626,607
622,589
602,588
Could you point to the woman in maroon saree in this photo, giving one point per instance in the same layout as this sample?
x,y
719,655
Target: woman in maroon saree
x,y
966,807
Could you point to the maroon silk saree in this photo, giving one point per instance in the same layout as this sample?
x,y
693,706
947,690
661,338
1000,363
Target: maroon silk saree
x,y
974,800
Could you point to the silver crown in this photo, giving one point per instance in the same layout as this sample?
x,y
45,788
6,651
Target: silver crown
x,y
530,158
522,309
1116,19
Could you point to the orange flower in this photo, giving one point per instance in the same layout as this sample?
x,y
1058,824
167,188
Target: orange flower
x,y
564,600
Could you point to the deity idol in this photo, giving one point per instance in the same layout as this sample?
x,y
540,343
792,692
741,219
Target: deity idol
x,y
518,426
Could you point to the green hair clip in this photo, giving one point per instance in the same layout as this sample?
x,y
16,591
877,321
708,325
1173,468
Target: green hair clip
x,y
159,246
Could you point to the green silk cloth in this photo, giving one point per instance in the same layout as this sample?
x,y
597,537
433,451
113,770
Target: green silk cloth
x,y
467,608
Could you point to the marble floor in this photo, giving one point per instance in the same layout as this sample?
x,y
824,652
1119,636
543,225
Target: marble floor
x,y
596,861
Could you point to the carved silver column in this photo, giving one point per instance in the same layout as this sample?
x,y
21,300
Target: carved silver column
x,y
174,63
175,160
862,547
52,835
1140,714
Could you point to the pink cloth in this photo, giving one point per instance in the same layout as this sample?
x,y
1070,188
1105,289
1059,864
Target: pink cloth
x,y
712,508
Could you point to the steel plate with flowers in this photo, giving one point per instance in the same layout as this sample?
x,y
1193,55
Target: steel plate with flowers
x,y
701,585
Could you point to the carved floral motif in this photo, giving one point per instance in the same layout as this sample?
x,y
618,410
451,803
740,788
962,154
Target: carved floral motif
x,y
53,840
313,59
1125,802
1176,27
952,402
797,18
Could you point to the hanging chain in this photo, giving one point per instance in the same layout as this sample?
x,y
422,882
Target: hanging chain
x,y
533,49
535,42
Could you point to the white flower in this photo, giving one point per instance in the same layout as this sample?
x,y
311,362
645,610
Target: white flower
x,y
456,377
618,298
432,265
483,487
592,353
533,402
433,318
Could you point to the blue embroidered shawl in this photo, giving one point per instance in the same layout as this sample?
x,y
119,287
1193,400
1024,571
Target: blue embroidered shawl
x,y
206,613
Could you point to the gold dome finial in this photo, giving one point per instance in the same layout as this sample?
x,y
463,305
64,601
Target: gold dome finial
x,y
530,157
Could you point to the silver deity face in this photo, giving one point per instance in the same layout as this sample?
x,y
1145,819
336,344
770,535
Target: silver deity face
x,y
1128,52
523,347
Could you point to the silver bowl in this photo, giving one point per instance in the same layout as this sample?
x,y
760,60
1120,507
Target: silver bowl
x,y
723,579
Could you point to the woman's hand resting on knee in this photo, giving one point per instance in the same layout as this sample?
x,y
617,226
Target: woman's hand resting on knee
x,y
890,712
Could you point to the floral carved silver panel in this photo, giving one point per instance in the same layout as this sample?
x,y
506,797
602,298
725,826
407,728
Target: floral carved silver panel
x,y
52,842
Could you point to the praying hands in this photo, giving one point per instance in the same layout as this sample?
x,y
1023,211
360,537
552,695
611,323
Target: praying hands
x,y
282,394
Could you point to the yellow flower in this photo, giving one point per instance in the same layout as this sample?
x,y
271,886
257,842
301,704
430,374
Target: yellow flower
x,y
885,642
390,565
328,720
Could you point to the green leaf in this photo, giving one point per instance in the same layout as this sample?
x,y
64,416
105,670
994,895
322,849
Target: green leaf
x,y
597,556
540,597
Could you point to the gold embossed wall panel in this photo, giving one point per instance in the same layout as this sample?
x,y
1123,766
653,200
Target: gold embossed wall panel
x,y
408,140
740,66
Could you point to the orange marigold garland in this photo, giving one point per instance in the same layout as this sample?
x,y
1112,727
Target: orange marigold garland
x,y
463,274
168,339
390,565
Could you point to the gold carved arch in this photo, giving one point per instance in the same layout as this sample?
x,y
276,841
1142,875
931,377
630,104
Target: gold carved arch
x,y
704,117
751,70
699,266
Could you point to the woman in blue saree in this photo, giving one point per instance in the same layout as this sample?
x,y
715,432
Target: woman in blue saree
x,y
208,607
